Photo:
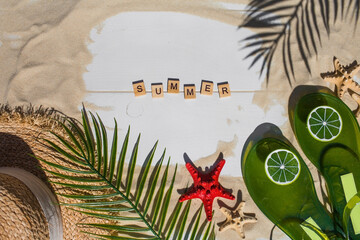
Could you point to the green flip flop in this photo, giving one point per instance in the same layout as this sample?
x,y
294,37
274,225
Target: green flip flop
x,y
329,135
281,185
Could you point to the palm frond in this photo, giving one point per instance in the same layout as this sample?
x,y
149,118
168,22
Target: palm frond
x,y
279,22
102,190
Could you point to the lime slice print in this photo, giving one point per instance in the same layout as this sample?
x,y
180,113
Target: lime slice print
x,y
324,123
282,166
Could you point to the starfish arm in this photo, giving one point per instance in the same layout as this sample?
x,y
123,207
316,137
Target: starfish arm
x,y
208,201
216,171
249,219
189,195
342,89
226,212
225,194
356,97
336,63
193,172
327,74
240,208
226,226
332,77
351,67
354,86
336,78
354,70
240,231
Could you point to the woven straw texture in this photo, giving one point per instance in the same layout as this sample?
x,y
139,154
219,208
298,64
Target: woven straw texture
x,y
21,134
21,216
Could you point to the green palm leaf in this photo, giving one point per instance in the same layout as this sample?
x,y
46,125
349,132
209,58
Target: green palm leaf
x,y
280,22
102,190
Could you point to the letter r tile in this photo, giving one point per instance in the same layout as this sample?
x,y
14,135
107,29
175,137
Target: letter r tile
x,y
224,89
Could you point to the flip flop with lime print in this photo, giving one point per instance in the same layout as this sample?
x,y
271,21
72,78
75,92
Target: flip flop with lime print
x,y
281,185
329,135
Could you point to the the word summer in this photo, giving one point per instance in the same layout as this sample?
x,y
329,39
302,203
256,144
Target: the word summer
x,y
173,87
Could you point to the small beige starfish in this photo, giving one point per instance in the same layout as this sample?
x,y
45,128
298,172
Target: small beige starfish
x,y
342,77
236,219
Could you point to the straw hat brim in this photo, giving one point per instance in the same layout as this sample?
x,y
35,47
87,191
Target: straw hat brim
x,y
21,216
21,132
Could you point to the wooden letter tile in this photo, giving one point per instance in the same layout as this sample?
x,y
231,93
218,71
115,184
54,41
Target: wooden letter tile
x,y
224,89
139,88
206,87
189,91
157,90
173,85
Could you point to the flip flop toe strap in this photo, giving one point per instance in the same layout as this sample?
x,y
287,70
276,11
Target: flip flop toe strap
x,y
315,233
313,230
353,203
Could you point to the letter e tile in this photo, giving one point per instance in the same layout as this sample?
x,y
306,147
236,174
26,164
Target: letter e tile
x,y
206,87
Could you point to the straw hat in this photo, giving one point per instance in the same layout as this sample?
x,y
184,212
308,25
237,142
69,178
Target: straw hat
x,y
29,208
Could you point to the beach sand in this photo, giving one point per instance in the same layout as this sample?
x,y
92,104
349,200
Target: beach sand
x,y
44,55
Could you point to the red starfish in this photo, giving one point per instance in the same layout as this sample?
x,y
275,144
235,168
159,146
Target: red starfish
x,y
206,187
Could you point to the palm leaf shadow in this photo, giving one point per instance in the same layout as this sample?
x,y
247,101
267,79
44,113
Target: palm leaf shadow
x,y
278,23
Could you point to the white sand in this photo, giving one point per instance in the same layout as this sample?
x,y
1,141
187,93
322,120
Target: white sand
x,y
153,46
